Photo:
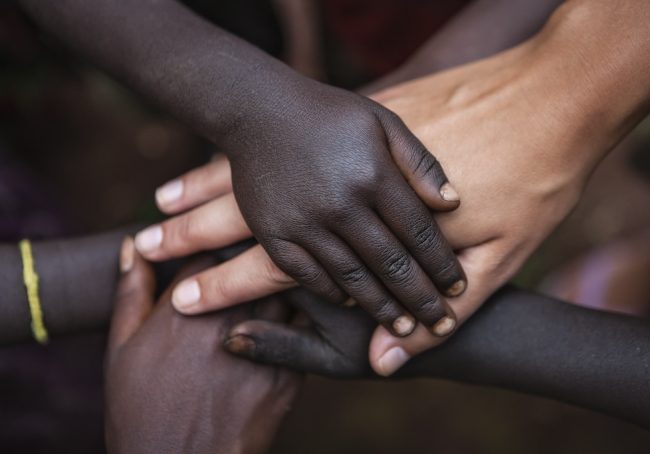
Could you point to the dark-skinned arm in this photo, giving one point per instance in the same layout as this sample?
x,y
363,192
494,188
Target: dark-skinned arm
x,y
518,340
311,163
76,277
480,30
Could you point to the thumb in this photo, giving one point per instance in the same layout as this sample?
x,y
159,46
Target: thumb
x,y
134,298
280,345
421,169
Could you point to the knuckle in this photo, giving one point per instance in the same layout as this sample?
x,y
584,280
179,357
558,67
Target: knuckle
x,y
427,237
180,231
307,273
398,266
218,289
354,275
385,310
343,215
429,309
448,271
425,162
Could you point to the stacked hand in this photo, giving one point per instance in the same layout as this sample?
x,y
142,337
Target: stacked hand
x,y
321,190
518,152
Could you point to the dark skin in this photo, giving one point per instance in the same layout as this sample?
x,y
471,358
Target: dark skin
x,y
171,388
480,30
77,279
326,179
518,340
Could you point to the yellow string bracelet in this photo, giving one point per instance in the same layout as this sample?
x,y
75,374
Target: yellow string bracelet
x,y
30,278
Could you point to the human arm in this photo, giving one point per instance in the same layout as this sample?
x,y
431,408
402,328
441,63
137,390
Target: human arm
x,y
479,30
316,169
520,133
171,388
76,277
518,340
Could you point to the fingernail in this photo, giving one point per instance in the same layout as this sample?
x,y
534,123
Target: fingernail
x,y
448,193
457,288
392,360
240,344
349,302
127,254
186,294
149,239
404,325
444,326
169,193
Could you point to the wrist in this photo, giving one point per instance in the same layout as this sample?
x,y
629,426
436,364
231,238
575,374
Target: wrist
x,y
592,57
261,103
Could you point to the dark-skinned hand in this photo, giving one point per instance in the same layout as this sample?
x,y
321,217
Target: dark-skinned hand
x,y
170,386
518,341
335,188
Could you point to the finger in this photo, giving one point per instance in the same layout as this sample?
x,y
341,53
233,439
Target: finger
x,y
400,273
420,168
282,345
248,276
388,354
216,224
134,297
415,227
301,266
357,281
195,187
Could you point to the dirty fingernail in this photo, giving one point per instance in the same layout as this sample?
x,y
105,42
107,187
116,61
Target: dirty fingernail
x,y
457,288
186,295
127,254
404,325
448,193
149,239
392,360
169,193
444,326
240,344
349,302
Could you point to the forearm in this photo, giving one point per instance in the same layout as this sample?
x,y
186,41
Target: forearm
x,y
592,58
206,77
76,279
537,345
483,28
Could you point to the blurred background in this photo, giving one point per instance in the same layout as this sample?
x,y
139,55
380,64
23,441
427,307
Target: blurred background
x,y
79,153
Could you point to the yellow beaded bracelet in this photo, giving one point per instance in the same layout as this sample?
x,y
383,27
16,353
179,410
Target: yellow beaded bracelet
x,y
30,278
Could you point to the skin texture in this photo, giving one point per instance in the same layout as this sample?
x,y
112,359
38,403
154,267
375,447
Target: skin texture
x,y
76,277
471,35
518,340
171,388
326,179
536,136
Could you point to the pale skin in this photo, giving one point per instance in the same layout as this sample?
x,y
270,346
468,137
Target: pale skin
x,y
518,133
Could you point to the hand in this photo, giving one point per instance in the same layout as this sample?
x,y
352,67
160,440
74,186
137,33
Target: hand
x,y
333,342
169,385
518,340
317,184
520,170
